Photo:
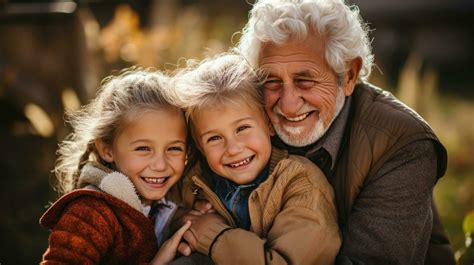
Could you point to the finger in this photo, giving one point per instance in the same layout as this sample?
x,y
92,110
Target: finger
x,y
190,238
184,249
179,234
191,216
195,213
173,241
202,206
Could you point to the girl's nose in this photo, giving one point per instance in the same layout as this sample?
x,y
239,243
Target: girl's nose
x,y
158,163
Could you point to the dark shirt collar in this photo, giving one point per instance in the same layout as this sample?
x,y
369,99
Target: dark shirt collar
x,y
331,140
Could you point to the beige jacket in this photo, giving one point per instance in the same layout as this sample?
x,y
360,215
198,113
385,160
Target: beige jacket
x,y
292,213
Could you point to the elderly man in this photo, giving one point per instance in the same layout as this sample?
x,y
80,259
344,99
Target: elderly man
x,y
381,157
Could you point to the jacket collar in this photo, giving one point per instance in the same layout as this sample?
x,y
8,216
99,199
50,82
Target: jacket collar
x,y
111,182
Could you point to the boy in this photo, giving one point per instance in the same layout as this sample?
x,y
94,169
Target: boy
x,y
275,207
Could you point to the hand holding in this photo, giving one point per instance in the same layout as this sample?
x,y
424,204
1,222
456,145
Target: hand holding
x,y
200,207
167,252
199,227
203,206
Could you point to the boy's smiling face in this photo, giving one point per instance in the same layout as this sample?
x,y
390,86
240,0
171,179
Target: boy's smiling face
x,y
150,150
235,139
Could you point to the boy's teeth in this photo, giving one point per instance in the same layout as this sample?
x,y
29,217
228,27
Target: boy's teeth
x,y
155,180
241,163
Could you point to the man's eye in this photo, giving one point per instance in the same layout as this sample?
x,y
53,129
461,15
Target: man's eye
x,y
273,84
213,138
305,83
142,148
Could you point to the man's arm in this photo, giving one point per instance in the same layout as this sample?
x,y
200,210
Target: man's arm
x,y
391,220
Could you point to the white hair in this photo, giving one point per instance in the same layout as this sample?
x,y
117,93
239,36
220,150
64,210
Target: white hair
x,y
282,21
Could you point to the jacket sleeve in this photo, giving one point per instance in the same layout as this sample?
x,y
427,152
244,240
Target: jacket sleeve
x,y
303,232
391,219
83,233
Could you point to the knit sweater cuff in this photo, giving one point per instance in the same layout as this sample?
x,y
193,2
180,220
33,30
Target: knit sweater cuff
x,y
209,236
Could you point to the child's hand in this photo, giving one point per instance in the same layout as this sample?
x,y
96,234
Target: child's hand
x,y
203,206
168,250
200,207
200,224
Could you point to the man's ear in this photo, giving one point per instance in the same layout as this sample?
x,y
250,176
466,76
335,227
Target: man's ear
x,y
105,151
350,78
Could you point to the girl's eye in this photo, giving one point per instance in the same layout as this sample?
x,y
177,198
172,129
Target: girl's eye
x,y
243,127
213,138
176,149
142,148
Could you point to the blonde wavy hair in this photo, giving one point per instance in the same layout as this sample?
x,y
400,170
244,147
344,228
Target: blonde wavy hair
x,y
282,21
222,79
132,91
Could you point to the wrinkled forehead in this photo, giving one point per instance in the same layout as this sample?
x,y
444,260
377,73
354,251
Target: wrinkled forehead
x,y
313,46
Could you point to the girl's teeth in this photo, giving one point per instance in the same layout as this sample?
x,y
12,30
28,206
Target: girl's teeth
x,y
155,180
241,163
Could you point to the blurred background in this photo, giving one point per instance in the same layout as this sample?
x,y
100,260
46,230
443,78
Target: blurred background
x,y
53,55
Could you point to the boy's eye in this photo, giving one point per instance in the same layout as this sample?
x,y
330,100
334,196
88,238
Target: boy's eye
x,y
213,138
243,127
142,148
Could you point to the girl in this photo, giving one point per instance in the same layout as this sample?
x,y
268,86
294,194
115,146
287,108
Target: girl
x,y
128,147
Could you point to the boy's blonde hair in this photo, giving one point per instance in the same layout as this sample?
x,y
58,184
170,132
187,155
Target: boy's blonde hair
x,y
222,79
132,91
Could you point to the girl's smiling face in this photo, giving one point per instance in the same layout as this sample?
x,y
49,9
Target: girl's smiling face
x,y
150,150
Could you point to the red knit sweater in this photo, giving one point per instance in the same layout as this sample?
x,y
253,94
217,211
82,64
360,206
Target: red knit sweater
x,y
92,227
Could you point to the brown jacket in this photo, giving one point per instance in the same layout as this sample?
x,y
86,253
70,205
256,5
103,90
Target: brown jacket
x,y
292,214
90,226
379,126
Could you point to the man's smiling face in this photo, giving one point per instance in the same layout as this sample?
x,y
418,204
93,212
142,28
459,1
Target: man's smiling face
x,y
301,92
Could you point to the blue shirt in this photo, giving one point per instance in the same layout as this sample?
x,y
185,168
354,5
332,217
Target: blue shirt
x,y
236,197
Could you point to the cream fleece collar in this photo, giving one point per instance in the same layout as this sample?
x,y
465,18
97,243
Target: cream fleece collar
x,y
113,183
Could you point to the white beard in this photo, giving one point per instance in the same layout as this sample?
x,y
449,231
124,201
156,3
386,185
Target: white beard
x,y
293,136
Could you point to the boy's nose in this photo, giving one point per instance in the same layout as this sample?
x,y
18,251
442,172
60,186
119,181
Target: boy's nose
x,y
233,147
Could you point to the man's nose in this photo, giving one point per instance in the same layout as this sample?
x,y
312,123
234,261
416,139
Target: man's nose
x,y
290,100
